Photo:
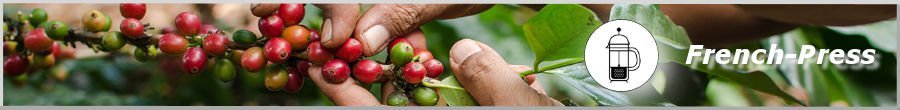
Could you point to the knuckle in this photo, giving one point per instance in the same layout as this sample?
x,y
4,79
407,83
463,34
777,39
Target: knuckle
x,y
405,16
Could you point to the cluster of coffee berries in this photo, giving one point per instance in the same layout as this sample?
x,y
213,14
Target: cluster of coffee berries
x,y
417,64
30,43
284,52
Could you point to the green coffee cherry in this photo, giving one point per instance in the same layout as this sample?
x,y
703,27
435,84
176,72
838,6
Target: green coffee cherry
x,y
57,30
113,41
397,98
244,36
224,69
38,16
145,56
401,53
425,96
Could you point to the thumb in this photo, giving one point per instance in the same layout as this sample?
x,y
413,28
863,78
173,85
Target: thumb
x,y
489,78
339,22
381,23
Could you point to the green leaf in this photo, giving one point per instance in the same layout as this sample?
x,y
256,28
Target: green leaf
x,y
452,93
663,29
560,31
579,78
883,35
434,83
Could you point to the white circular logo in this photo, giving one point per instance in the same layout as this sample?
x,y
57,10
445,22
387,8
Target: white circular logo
x,y
621,55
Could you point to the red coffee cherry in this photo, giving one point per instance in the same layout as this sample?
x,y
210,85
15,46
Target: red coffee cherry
x,y
63,52
215,44
172,44
277,50
295,80
132,28
413,72
318,54
423,55
253,59
313,36
433,67
194,60
37,41
208,29
15,65
297,35
367,71
335,71
271,26
133,10
303,67
350,51
291,13
188,24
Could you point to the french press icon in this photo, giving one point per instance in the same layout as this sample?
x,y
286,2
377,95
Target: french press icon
x,y
620,62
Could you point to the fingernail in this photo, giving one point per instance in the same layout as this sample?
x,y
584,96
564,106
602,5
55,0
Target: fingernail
x,y
463,49
374,37
326,30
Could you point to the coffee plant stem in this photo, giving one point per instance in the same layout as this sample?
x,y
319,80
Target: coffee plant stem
x,y
551,67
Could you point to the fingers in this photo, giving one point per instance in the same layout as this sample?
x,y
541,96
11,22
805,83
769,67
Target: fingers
x,y
344,94
489,79
338,24
384,22
530,79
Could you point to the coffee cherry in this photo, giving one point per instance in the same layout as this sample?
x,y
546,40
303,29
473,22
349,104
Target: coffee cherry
x,y
37,41
208,29
271,26
303,67
350,51
187,23
224,70
15,65
397,98
276,77
433,67
172,44
313,35
132,28
113,41
244,36
63,52
194,60
133,10
413,72
295,80
425,96
422,54
253,59
236,56
291,13
298,36
367,71
318,54
263,10
397,40
42,61
144,56
95,21
277,50
38,16
401,53
215,44
57,30
335,71
167,30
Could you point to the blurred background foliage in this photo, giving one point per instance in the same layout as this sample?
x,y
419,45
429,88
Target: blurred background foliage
x,y
117,79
